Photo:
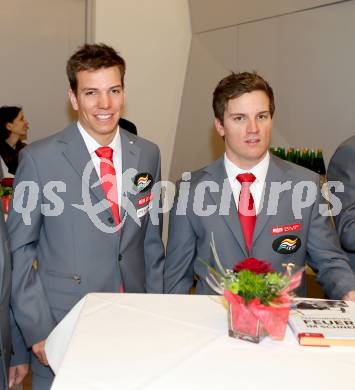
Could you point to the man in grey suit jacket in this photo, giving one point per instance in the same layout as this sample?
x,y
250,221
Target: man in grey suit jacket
x,y
62,218
342,168
286,200
19,359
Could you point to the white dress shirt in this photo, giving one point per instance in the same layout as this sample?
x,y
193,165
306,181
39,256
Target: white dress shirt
x,y
92,145
257,188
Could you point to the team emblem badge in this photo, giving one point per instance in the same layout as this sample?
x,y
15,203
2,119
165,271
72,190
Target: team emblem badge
x,y
286,244
143,182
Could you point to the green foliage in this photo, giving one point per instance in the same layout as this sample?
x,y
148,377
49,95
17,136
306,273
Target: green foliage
x,y
262,286
5,191
249,285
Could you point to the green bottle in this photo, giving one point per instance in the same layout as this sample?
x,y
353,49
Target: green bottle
x,y
320,163
290,156
312,160
303,158
297,156
273,150
282,153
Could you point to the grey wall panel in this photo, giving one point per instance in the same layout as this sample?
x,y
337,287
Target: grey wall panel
x,y
211,14
212,56
309,59
36,39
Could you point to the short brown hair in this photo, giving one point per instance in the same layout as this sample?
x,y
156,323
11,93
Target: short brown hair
x,y
93,57
235,85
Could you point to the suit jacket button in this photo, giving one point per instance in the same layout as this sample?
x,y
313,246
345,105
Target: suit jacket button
x,y
119,257
111,220
77,278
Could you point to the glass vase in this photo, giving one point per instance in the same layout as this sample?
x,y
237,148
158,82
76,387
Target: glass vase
x,y
244,325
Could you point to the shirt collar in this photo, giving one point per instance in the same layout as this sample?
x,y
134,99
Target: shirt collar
x,y
259,170
92,144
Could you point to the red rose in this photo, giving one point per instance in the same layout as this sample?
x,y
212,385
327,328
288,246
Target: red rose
x,y
254,265
7,182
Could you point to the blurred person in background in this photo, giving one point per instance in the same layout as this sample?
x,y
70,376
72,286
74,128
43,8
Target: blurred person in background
x,y
128,125
13,129
342,168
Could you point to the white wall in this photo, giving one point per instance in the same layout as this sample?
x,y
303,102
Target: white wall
x,y
36,39
154,38
310,65
306,55
208,15
212,56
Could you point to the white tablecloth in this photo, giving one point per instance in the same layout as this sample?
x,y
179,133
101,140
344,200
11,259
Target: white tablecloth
x,y
167,342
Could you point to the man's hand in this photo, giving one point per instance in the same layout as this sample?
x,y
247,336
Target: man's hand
x,y
17,374
38,350
350,296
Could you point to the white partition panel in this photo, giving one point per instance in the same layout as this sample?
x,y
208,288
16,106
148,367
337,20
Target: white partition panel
x,y
309,60
207,15
37,37
304,48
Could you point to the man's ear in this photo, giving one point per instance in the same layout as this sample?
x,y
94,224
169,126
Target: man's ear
x,y
73,99
219,127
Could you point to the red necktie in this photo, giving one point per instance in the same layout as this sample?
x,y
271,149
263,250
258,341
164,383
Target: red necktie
x,y
108,179
246,208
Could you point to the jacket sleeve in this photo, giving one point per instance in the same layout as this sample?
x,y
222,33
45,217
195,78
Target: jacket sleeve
x,y
29,302
154,252
326,256
21,354
342,168
181,249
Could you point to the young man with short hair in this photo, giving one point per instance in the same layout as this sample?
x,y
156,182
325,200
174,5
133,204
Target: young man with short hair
x,y
86,219
252,202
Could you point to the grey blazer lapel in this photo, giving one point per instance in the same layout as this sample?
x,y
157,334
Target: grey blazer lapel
x,y
130,151
275,173
130,161
78,156
219,175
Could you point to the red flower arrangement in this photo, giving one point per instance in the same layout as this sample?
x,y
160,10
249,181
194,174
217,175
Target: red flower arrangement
x,y
254,265
6,191
258,296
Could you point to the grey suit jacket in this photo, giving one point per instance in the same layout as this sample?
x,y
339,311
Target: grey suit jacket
x,y
6,319
190,234
75,256
5,288
342,168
